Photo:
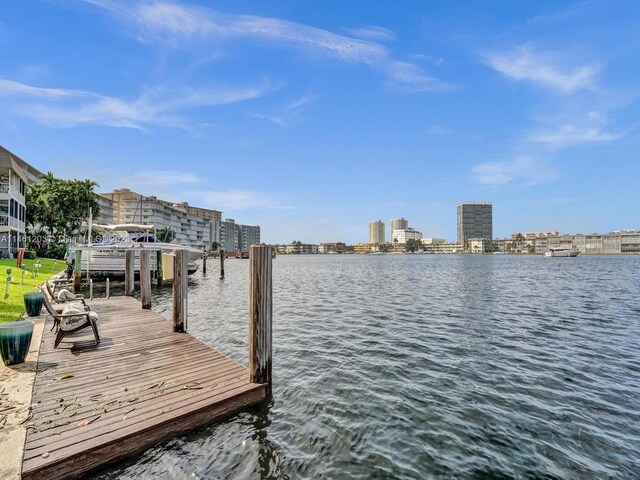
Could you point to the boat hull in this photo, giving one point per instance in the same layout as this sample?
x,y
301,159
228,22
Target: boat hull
x,y
562,253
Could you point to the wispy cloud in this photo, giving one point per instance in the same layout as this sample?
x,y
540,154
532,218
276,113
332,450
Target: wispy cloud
x,y
162,178
234,200
9,87
183,26
438,130
287,114
522,171
549,69
61,107
587,130
372,32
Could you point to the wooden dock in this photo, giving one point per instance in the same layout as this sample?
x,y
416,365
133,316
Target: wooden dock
x,y
93,405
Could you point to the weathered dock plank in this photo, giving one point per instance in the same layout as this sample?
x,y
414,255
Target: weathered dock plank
x,y
142,384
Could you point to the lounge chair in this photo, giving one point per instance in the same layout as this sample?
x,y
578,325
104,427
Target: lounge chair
x,y
73,321
57,299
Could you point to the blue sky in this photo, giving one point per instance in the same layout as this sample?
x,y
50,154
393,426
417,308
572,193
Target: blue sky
x,y
311,118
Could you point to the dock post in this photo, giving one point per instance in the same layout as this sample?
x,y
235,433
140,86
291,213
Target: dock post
x,y
260,314
77,271
221,263
204,263
91,289
106,293
145,279
180,284
129,272
159,267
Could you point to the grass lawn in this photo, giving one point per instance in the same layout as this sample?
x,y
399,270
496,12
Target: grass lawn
x,y
13,307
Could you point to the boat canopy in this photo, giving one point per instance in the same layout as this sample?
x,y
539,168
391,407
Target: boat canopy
x,y
123,227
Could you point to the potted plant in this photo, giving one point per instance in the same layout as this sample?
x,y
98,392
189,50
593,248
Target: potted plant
x,y
15,339
33,303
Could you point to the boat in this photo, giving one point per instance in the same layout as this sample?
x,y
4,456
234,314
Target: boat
x,y
106,257
561,252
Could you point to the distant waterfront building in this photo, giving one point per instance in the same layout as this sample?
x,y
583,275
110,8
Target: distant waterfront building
x,y
15,176
431,240
534,235
475,220
297,248
376,231
443,248
401,236
191,225
618,242
398,224
328,247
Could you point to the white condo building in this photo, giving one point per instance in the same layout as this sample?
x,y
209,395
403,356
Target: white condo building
x,y
15,176
402,235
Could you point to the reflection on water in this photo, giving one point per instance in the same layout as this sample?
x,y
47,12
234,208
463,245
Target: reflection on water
x,y
424,366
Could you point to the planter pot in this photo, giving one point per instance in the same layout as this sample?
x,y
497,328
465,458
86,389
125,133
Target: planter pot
x,y
15,339
33,303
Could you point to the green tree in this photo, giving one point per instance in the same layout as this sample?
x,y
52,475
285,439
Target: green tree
x,y
58,210
166,234
215,246
413,245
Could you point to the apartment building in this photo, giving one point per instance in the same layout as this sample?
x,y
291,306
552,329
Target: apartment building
x,y
475,220
401,236
15,176
376,231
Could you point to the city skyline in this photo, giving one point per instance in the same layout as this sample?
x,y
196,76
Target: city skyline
x,y
310,119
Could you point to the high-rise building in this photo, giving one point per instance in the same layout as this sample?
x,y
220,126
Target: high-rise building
x,y
475,220
399,224
376,231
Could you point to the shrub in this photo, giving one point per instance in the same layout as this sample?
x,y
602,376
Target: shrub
x,y
30,255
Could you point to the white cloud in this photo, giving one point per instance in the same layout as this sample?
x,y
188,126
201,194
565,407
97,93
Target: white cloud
x,y
522,171
543,68
184,26
580,130
571,135
372,32
66,108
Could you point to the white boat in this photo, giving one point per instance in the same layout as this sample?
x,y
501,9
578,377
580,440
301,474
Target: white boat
x,y
106,258
561,252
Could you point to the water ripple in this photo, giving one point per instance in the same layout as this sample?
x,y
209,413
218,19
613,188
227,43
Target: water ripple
x,y
481,367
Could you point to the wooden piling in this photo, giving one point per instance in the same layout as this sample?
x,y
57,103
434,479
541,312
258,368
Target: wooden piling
x,y
180,284
129,272
107,293
204,263
221,263
145,279
260,314
159,268
77,271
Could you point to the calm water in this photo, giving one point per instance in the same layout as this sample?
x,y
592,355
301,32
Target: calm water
x,y
423,366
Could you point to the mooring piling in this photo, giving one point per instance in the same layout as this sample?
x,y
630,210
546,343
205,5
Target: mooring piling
x,y
145,279
260,314
129,272
180,284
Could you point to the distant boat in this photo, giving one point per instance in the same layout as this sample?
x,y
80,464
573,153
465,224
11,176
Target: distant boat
x,y
561,252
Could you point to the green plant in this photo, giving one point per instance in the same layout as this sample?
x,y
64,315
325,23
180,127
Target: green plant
x,y
30,255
